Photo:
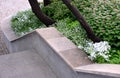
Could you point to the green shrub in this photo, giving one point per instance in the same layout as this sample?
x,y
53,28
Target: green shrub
x,y
72,30
57,11
103,16
115,56
24,22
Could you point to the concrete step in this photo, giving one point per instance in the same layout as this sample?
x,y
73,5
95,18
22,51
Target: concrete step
x,y
99,70
69,52
41,38
64,47
75,57
26,64
63,57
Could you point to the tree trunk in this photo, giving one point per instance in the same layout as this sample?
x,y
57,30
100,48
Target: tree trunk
x,y
40,15
82,21
46,2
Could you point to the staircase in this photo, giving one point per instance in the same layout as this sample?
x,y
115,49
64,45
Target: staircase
x,y
25,64
46,53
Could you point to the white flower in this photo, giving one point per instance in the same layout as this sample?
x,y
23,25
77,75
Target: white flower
x,y
92,55
101,46
97,49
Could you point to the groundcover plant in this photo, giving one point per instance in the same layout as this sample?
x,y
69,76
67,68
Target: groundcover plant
x,y
102,15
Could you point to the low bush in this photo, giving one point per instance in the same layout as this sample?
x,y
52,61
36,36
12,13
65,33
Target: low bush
x,y
103,16
25,22
72,30
57,11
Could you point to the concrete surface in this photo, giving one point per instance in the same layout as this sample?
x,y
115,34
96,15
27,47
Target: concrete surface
x,y
6,27
101,69
58,52
26,64
41,42
7,8
10,7
61,44
92,75
75,57
49,33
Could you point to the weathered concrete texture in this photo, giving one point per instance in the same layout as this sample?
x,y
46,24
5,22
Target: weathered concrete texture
x,y
27,64
64,47
43,44
6,27
7,8
62,56
10,7
92,75
54,60
3,48
75,57
61,44
67,50
10,38
101,69
49,33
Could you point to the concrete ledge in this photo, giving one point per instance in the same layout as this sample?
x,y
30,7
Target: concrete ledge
x,y
111,70
61,44
49,33
64,58
75,57
7,30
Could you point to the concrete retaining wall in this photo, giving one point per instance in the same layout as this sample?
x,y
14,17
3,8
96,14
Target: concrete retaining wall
x,y
64,58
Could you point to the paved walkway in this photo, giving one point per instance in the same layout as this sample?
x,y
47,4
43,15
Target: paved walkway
x,y
7,8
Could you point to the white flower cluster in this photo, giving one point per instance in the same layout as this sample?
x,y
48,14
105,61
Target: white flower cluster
x,y
97,49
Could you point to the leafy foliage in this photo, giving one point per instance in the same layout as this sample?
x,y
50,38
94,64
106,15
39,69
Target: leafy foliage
x,y
72,30
103,16
57,10
115,56
24,22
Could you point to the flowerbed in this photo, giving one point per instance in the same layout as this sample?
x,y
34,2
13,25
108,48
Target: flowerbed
x,y
102,15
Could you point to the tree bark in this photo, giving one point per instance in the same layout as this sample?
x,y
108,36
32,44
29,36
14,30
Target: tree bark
x,y
40,15
82,21
46,2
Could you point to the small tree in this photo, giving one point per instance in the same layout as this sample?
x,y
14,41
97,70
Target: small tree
x,y
38,12
46,2
47,21
82,21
